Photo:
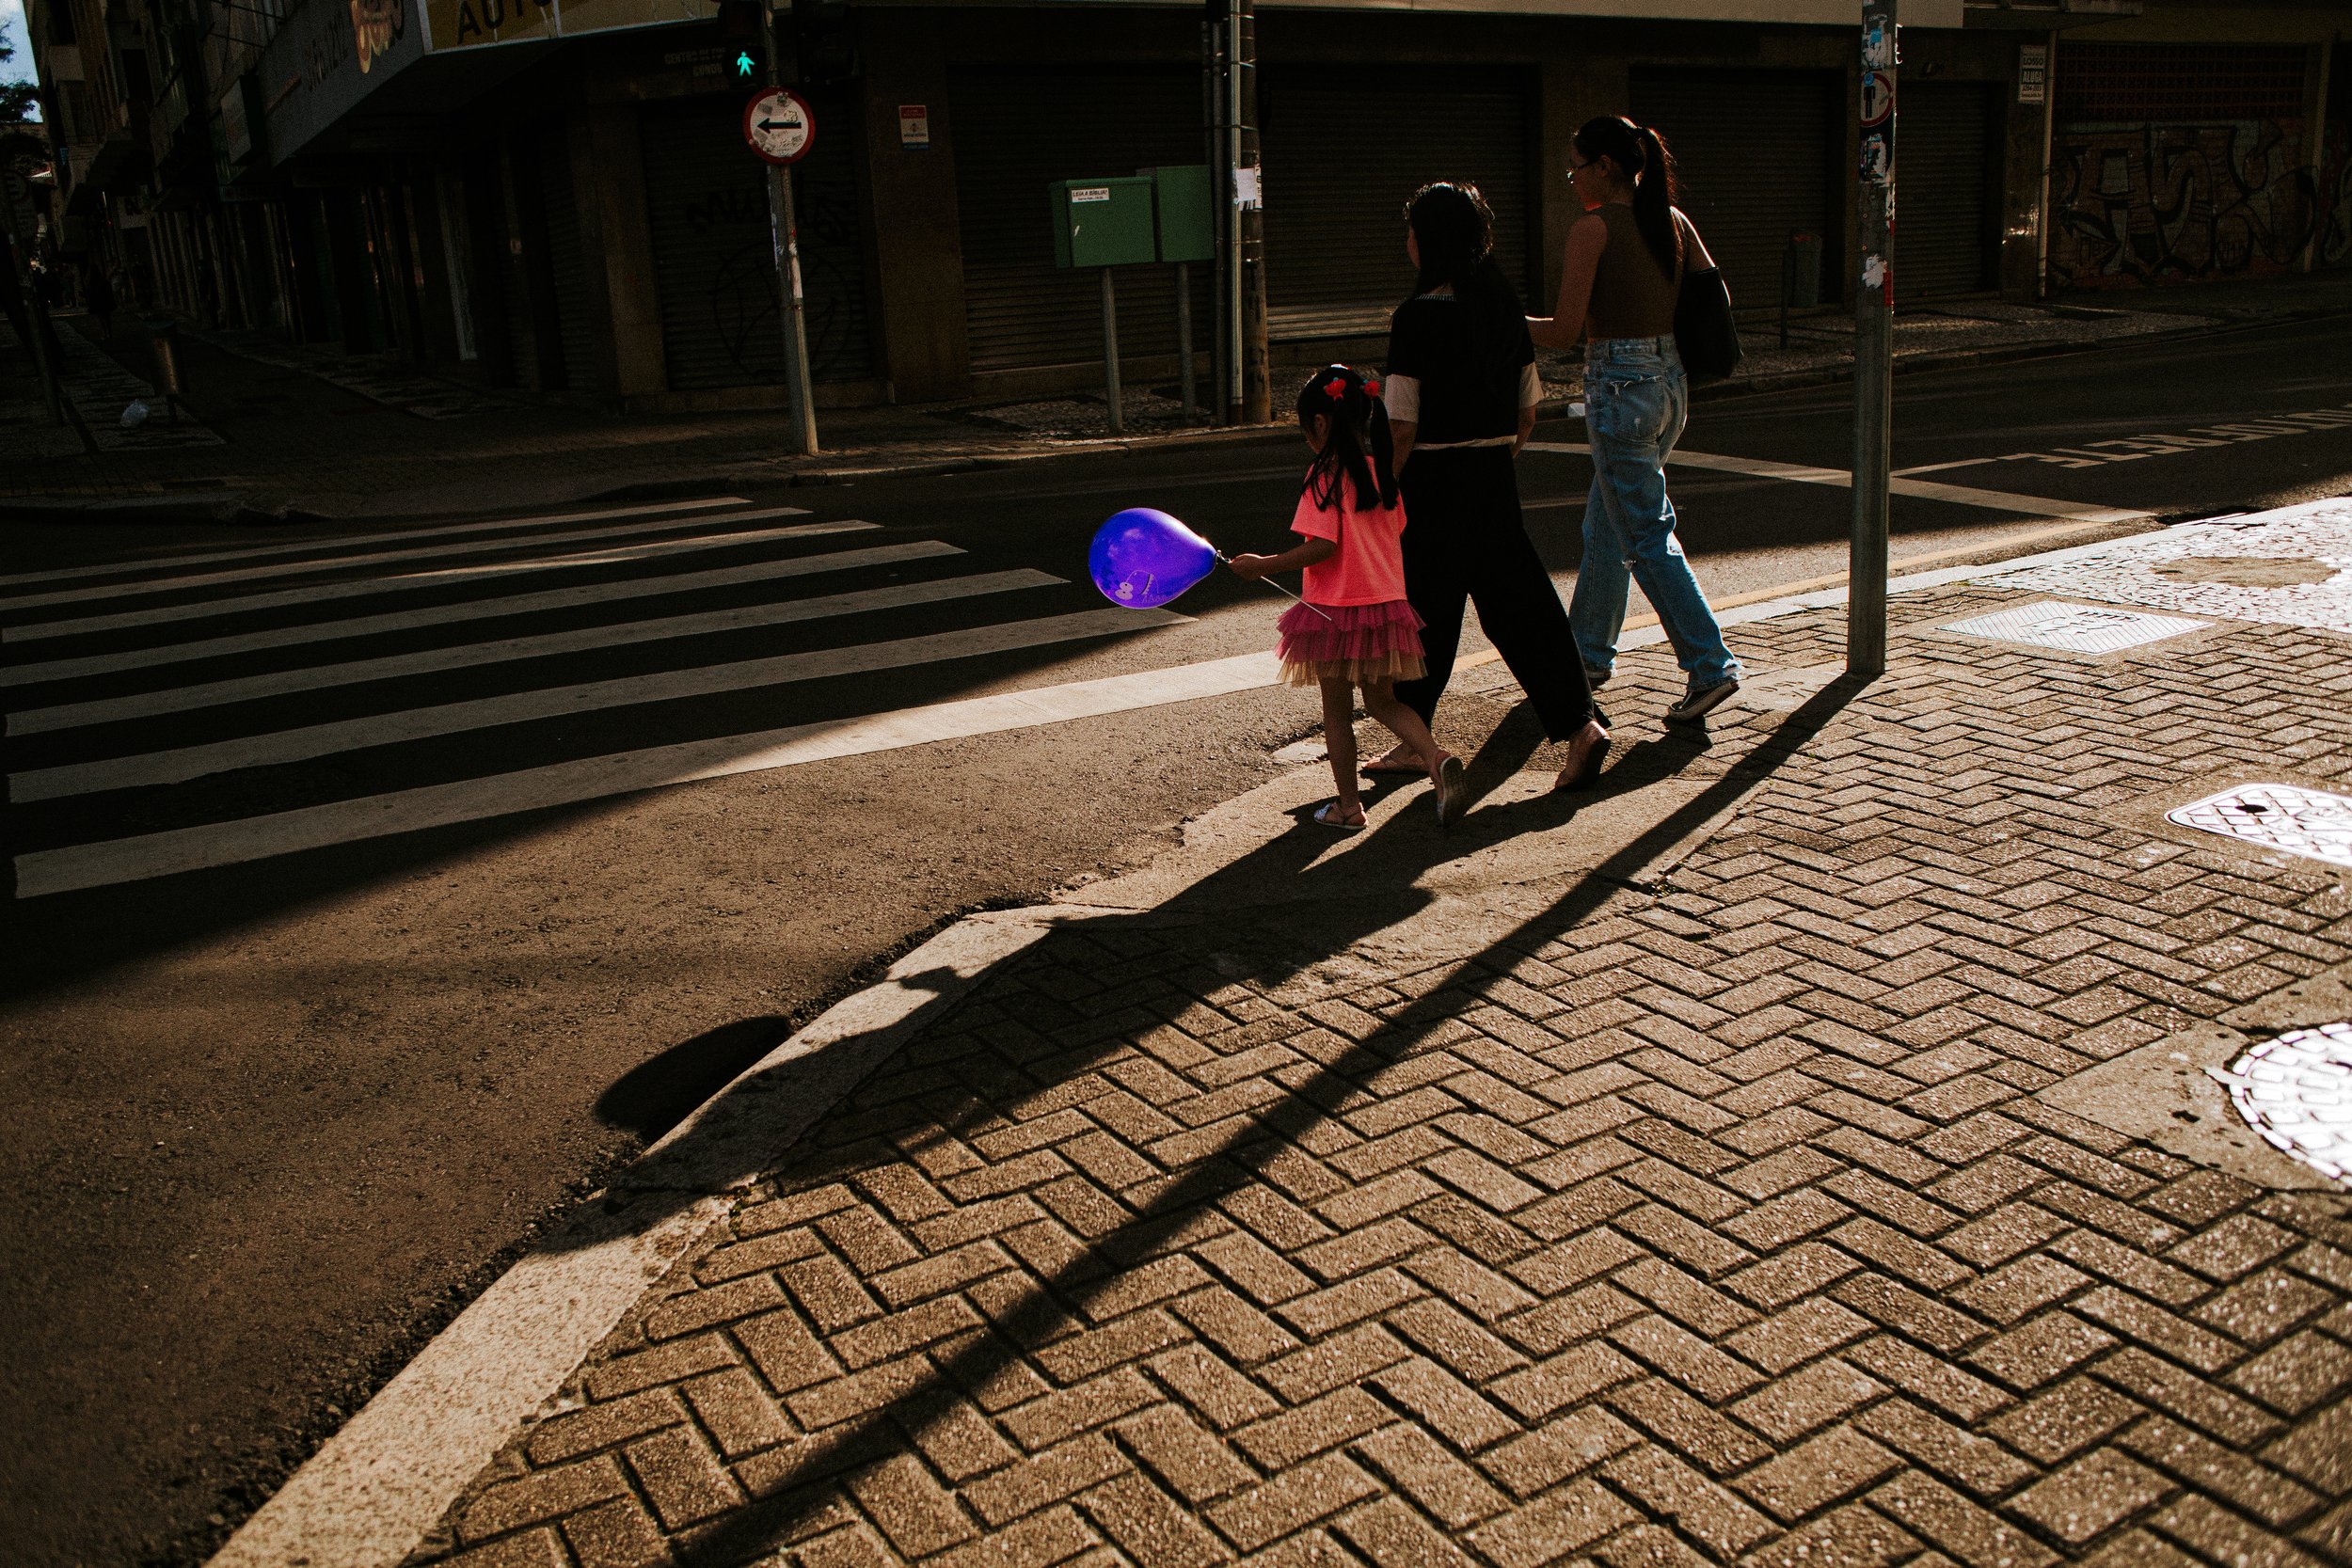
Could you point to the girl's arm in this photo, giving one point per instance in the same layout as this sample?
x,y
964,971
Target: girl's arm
x,y
1564,327
1306,552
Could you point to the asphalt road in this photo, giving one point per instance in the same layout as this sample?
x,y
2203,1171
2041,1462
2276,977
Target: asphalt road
x,y
274,1122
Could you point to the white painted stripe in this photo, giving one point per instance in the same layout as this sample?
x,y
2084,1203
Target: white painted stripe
x,y
340,541
368,588
162,854
376,558
197,849
141,704
421,723
471,609
1959,495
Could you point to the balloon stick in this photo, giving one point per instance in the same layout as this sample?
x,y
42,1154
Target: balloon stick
x,y
1276,586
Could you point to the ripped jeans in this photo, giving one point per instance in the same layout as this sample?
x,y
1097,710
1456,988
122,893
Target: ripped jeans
x,y
1635,401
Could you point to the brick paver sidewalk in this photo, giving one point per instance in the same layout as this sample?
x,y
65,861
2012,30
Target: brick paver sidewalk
x,y
1725,1217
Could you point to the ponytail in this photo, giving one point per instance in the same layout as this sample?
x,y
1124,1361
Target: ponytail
x,y
1654,196
1361,446
1642,155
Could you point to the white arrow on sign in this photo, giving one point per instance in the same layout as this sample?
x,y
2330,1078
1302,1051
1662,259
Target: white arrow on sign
x,y
779,125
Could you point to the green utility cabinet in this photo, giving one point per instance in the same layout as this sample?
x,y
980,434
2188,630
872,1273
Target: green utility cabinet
x,y
1187,221
1103,223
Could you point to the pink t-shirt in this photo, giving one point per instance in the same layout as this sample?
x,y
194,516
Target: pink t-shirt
x,y
1370,567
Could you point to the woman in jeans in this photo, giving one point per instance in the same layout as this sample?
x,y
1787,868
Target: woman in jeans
x,y
1461,394
1625,259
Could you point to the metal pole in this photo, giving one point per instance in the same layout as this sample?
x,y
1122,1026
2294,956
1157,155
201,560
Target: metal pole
x,y
1874,349
785,237
1221,200
1256,380
1234,288
1183,337
1110,355
795,308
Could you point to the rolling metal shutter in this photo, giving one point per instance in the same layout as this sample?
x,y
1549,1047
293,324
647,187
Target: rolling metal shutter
x,y
1759,162
714,254
1943,143
1016,133
1337,179
568,264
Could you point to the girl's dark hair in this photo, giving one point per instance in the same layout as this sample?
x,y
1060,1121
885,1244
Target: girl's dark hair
x,y
1453,230
1359,446
1643,157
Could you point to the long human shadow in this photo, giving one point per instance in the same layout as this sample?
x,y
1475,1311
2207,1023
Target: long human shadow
x,y
1057,1302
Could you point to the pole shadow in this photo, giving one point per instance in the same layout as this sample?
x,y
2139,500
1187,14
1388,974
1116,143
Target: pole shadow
x,y
1020,1063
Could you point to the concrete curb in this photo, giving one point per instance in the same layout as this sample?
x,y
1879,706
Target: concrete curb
x,y
372,1490
368,1495
226,507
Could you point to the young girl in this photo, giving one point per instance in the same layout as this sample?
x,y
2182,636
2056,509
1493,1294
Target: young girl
x,y
1355,629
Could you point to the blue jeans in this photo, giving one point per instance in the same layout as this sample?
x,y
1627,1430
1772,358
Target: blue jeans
x,y
1635,402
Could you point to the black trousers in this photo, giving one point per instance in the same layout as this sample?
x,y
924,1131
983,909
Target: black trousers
x,y
1465,542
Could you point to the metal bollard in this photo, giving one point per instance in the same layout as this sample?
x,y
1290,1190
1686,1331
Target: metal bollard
x,y
1800,276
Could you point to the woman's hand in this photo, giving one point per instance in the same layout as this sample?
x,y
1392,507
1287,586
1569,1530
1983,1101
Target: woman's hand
x,y
1252,566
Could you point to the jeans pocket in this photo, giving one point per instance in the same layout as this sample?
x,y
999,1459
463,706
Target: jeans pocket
x,y
1626,408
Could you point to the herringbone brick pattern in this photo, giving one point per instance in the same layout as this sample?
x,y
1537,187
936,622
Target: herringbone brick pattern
x,y
1715,1221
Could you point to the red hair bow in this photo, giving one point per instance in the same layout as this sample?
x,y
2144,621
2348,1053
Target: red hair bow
x,y
1372,389
1335,388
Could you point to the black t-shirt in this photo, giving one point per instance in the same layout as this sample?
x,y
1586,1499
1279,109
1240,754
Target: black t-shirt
x,y
1467,359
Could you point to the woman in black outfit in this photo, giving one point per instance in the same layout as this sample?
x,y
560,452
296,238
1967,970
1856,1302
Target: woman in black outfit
x,y
1461,391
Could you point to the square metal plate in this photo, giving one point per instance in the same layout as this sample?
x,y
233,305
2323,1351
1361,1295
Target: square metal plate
x,y
2302,821
2075,628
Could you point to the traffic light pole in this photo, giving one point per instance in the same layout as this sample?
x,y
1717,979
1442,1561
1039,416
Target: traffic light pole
x,y
784,231
1873,349
1252,388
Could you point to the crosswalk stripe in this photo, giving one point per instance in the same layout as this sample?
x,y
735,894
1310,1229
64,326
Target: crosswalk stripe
x,y
412,582
276,683
1796,473
470,610
255,552
315,740
378,557
161,854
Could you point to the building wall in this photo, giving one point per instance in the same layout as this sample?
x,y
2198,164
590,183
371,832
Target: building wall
x,y
2197,144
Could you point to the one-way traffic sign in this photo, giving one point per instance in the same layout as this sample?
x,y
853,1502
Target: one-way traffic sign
x,y
779,125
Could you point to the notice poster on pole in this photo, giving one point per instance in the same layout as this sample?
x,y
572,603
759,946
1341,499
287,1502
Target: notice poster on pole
x,y
914,127
2033,72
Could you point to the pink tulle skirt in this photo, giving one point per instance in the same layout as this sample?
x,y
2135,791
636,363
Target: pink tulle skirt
x,y
1360,643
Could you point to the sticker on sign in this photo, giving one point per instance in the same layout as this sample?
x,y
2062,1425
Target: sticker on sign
x,y
779,125
1091,193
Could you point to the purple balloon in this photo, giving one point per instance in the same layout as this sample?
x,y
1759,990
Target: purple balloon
x,y
1142,558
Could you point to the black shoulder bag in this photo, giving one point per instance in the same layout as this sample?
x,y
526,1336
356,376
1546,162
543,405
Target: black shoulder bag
x,y
1704,335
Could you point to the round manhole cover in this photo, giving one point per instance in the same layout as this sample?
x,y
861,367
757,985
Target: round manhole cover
x,y
2297,1092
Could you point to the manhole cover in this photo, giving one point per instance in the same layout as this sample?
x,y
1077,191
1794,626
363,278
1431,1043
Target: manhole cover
x,y
2245,571
2078,628
2308,822
2297,1092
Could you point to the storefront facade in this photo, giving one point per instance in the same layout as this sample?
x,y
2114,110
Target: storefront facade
x,y
557,198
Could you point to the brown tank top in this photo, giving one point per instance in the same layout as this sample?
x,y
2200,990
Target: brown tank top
x,y
1633,297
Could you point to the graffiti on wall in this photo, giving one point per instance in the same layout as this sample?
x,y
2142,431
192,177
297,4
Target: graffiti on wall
x,y
2176,203
2332,213
744,299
